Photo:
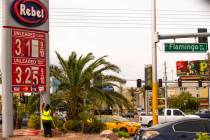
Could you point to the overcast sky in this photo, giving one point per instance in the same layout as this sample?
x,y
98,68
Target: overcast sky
x,y
121,29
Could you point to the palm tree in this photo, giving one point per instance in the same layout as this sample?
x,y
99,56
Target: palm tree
x,y
133,94
82,82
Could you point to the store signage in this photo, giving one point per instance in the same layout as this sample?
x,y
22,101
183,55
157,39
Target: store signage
x,y
28,61
29,13
192,68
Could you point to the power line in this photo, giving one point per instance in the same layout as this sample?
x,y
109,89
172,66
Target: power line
x,y
137,17
93,12
83,22
97,12
125,27
166,10
122,19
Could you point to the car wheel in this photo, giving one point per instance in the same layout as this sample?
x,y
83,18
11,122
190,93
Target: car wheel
x,y
149,124
124,129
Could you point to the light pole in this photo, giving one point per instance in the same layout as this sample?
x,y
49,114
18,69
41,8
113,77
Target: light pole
x,y
154,66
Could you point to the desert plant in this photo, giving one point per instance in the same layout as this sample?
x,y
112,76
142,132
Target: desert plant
x,y
74,125
116,130
202,136
34,121
123,134
94,127
57,122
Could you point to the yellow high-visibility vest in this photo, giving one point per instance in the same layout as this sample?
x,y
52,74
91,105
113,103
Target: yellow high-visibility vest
x,y
46,115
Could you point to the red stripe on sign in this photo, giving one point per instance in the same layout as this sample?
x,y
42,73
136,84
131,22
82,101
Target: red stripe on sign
x,y
12,27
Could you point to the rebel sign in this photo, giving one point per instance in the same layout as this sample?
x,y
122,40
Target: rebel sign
x,y
29,13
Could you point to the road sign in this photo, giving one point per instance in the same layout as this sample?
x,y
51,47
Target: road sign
x,y
186,47
28,61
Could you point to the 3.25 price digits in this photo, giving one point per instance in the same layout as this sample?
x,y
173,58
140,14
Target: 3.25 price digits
x,y
26,75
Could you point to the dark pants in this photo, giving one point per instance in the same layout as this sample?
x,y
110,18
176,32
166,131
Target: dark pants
x,y
47,125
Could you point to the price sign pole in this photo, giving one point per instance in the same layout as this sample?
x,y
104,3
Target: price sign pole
x,y
7,100
25,53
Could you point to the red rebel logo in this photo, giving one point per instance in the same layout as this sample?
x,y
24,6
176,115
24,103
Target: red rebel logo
x,y
30,13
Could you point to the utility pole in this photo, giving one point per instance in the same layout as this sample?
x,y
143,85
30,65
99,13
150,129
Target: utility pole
x,y
166,88
154,66
209,78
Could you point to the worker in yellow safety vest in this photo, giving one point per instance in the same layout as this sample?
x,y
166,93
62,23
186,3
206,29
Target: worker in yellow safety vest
x,y
47,120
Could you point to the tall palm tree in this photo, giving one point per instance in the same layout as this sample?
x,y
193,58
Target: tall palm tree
x,y
83,80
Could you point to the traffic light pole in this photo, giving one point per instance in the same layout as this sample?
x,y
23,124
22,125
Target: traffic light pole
x,y
166,87
154,66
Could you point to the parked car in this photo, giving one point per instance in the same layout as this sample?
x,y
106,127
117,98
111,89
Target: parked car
x,y
185,129
118,122
205,113
168,114
129,115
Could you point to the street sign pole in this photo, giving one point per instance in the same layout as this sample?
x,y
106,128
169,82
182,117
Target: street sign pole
x,y
154,66
7,101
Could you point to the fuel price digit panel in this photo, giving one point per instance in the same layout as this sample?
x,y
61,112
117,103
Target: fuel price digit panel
x,y
28,61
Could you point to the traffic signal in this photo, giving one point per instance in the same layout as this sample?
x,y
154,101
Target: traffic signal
x,y
148,77
202,39
199,83
138,82
160,82
179,82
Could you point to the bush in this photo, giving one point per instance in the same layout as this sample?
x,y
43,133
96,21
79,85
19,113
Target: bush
x,y
74,125
202,136
58,122
123,134
115,130
94,127
34,122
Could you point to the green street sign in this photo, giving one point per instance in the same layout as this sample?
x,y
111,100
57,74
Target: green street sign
x,y
186,47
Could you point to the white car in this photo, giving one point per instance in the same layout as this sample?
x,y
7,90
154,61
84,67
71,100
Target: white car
x,y
169,114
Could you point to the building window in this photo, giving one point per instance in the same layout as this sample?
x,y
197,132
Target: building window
x,y
183,89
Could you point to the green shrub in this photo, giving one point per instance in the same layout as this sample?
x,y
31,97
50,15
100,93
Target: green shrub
x,y
123,134
34,122
74,125
94,127
58,122
202,136
115,130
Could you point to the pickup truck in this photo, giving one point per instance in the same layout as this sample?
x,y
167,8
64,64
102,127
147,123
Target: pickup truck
x,y
169,114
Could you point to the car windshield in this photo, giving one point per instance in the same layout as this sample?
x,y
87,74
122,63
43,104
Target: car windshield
x,y
121,119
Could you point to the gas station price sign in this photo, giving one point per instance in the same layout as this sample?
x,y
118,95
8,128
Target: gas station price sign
x,y
28,61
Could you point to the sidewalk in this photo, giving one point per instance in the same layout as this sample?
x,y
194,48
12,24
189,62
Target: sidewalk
x,y
29,134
